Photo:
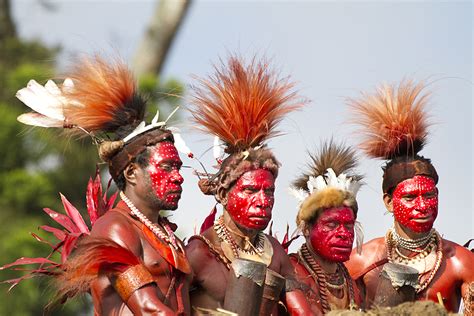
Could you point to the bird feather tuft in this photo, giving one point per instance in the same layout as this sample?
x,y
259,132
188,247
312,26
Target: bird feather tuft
x,y
242,103
393,120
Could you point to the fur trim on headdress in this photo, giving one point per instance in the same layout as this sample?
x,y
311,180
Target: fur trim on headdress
x,y
395,124
327,183
242,104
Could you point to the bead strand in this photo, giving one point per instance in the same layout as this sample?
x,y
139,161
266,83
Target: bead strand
x,y
170,238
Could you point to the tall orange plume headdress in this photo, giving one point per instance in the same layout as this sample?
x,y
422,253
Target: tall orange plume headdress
x,y
395,124
242,104
102,100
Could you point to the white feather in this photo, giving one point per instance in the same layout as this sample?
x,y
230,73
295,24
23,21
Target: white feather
x,y
217,148
39,99
359,232
181,145
36,119
155,118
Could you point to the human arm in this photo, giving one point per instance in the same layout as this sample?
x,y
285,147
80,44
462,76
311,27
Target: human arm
x,y
132,281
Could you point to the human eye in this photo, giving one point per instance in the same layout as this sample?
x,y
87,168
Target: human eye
x,y
331,225
430,195
249,190
167,167
409,197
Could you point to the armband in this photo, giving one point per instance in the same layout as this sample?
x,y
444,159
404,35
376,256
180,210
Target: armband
x,y
131,280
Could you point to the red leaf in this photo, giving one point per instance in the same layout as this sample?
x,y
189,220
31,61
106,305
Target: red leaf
x,y
92,201
59,234
62,219
14,282
24,260
42,240
69,244
110,203
209,221
74,214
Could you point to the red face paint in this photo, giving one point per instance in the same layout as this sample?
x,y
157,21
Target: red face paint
x,y
165,178
332,234
250,201
415,203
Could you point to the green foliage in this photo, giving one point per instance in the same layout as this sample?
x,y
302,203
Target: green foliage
x,y
36,164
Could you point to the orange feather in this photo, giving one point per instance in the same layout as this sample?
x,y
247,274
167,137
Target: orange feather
x,y
104,96
242,104
394,120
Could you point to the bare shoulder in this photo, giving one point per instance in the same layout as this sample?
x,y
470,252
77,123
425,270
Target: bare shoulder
x,y
198,252
372,251
116,227
460,257
277,247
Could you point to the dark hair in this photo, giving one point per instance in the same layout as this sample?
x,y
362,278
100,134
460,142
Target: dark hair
x,y
401,168
141,160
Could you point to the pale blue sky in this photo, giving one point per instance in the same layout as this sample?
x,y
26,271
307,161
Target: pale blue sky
x,y
333,49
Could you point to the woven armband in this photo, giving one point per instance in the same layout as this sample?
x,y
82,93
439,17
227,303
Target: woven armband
x,y
131,280
469,300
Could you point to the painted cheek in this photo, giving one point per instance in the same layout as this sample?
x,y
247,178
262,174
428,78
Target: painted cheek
x,y
334,244
419,214
165,181
251,210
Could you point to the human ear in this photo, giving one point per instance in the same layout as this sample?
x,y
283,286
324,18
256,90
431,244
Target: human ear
x,y
130,173
387,199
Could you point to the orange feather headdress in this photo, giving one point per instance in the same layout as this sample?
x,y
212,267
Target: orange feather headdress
x,y
395,125
100,99
241,104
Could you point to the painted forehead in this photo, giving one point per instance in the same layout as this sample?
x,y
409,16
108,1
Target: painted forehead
x,y
343,213
416,184
164,151
258,176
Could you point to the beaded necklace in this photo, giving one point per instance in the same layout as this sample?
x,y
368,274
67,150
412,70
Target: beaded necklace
x,y
413,245
167,235
434,241
319,276
224,235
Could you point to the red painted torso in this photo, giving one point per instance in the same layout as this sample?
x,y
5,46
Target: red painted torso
x,y
313,292
120,227
455,272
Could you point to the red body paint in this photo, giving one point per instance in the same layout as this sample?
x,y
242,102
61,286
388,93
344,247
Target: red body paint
x,y
250,201
332,235
163,169
415,203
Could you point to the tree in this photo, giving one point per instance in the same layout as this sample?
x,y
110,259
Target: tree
x,y
36,164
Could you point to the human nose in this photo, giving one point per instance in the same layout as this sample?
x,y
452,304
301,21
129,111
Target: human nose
x,y
421,204
262,200
344,233
176,177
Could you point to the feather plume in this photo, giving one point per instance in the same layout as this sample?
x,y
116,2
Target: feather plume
x,y
394,120
339,158
104,97
242,104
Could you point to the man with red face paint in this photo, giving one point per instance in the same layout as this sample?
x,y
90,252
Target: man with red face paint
x,y
130,262
327,218
395,123
241,105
